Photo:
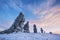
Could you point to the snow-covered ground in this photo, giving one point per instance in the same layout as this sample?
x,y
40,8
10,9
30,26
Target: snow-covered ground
x,y
29,36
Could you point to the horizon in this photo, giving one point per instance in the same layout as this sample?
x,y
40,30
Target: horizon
x,y
43,13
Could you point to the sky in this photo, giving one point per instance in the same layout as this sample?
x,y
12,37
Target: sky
x,y
43,13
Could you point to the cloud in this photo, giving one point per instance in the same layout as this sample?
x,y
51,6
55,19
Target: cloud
x,y
49,19
3,5
49,16
14,4
5,24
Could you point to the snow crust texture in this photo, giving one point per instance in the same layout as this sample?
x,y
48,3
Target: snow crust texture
x,y
29,36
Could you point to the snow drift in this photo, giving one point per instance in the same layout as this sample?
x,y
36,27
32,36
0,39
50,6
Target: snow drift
x,y
29,36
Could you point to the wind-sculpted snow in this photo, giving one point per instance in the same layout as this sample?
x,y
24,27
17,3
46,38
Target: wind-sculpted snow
x,y
29,36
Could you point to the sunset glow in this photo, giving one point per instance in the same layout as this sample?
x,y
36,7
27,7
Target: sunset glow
x,y
43,13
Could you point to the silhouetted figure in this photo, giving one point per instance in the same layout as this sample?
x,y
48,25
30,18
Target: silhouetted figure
x,y
41,30
34,28
26,27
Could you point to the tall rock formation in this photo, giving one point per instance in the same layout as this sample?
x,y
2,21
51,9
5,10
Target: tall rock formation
x,y
19,22
17,25
34,28
26,27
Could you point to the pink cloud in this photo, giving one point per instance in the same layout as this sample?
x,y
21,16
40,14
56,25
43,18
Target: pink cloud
x,y
49,19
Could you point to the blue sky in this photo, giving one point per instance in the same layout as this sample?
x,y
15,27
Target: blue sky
x,y
36,12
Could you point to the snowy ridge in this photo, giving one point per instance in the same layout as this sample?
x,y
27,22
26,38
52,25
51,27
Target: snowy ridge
x,y
29,36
